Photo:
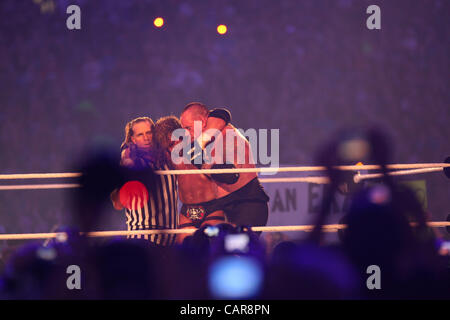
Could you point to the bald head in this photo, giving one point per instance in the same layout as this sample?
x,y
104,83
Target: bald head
x,y
192,112
196,109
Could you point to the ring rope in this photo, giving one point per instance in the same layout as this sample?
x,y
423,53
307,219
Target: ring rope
x,y
304,168
239,170
357,178
316,180
101,234
40,186
39,175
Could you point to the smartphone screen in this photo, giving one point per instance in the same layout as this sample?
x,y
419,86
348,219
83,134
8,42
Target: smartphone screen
x,y
237,242
211,231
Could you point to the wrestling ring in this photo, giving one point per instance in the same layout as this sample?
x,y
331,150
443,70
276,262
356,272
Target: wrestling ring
x,y
398,170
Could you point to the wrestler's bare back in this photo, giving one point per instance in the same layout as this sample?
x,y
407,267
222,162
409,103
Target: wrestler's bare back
x,y
244,178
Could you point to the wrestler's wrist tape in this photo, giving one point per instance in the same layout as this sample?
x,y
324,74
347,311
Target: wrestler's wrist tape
x,y
199,145
197,154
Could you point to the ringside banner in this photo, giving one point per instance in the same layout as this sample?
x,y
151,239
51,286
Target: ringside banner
x,y
294,203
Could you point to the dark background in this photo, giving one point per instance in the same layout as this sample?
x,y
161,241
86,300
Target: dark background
x,y
306,67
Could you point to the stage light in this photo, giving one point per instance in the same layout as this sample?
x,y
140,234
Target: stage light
x,y
158,22
221,29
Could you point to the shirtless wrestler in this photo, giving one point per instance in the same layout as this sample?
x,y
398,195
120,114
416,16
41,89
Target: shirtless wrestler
x,y
197,192
243,198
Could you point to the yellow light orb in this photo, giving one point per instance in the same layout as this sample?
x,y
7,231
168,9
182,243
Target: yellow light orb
x,y
158,22
222,29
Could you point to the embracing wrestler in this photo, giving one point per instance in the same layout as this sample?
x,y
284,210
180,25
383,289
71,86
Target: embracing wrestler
x,y
240,196
197,192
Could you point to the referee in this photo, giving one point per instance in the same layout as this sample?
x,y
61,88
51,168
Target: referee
x,y
150,201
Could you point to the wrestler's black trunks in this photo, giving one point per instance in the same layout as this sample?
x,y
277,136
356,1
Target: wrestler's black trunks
x,y
247,205
199,212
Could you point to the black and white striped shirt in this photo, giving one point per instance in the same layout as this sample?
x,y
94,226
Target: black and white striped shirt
x,y
160,212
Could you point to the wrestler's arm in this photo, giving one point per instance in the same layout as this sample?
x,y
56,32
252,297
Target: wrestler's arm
x,y
116,200
126,161
226,178
215,123
125,158
217,120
